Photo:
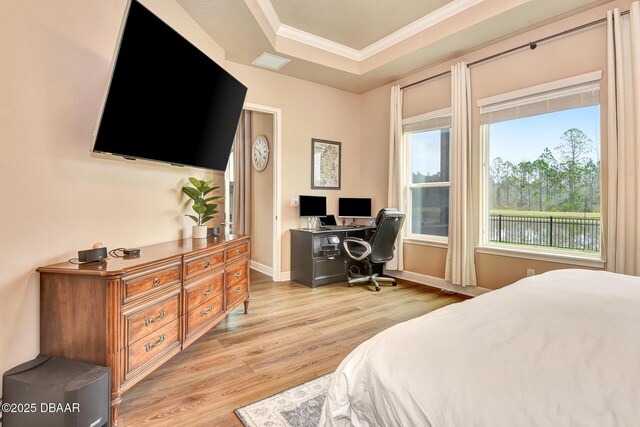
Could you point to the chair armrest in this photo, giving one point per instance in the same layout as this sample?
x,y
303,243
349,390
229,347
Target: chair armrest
x,y
357,241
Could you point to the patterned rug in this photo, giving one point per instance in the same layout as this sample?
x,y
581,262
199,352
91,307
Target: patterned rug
x,y
299,406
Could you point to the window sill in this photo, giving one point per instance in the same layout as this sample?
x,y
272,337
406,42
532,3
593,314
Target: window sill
x,y
425,242
548,256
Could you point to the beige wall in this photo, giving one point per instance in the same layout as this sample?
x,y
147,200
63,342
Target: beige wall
x,y
57,196
309,111
574,54
262,195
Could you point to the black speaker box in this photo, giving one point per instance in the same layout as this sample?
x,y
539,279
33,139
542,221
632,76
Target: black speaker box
x,y
56,392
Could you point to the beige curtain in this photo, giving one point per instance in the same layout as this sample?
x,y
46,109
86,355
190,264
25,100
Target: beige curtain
x,y
395,195
460,267
242,176
623,85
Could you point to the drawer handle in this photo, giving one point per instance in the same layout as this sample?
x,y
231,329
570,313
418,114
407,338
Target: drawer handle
x,y
207,292
148,346
237,290
237,251
205,312
156,282
237,275
207,263
150,320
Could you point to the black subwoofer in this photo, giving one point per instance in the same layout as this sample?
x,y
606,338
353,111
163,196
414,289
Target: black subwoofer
x,y
52,392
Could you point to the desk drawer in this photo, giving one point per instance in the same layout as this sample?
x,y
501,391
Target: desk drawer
x,y
204,288
151,318
152,346
203,313
145,282
236,251
196,266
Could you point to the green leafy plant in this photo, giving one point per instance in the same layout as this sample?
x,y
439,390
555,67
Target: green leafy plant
x,y
202,205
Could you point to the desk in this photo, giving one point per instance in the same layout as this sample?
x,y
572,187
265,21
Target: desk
x,y
317,255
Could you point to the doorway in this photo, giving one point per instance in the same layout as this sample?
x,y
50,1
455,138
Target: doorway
x,y
265,190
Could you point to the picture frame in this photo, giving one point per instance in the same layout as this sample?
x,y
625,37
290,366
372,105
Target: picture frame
x,y
326,159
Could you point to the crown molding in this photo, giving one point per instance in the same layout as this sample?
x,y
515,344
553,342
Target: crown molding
x,y
318,42
439,15
434,18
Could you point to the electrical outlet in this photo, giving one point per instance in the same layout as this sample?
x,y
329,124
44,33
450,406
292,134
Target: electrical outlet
x,y
530,272
294,202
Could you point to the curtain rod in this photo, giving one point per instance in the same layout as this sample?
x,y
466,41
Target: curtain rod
x,y
531,45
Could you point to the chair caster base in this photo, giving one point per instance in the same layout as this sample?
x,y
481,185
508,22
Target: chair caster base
x,y
394,284
377,289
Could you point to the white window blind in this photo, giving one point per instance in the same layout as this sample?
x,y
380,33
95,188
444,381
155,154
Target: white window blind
x,y
549,101
436,120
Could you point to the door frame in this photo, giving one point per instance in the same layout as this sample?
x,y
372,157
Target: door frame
x,y
277,173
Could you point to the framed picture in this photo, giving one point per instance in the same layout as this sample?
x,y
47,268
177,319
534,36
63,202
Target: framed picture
x,y
325,164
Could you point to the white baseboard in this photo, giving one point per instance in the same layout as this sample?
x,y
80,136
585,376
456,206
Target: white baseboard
x,y
262,268
285,275
438,283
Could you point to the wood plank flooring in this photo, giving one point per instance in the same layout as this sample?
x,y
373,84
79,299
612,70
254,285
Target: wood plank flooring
x,y
292,334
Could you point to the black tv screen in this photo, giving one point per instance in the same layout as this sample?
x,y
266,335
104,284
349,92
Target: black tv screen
x,y
354,207
167,100
312,206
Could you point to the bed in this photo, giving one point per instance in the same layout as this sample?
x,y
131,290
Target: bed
x,y
558,349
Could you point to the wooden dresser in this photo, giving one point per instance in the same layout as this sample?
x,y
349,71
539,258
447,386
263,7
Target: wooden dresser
x,y
133,314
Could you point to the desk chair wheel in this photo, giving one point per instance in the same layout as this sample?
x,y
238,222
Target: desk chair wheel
x,y
377,289
394,283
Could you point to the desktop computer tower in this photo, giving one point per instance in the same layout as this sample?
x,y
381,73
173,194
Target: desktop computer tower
x,y
55,392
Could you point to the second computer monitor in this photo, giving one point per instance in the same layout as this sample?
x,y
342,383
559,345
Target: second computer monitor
x,y
350,207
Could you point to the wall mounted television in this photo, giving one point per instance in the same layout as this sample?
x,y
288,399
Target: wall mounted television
x,y
167,100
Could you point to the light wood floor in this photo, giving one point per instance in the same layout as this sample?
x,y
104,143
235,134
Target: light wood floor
x,y
292,334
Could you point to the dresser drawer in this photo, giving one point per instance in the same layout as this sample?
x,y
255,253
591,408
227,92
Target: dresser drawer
x,y
237,292
204,288
145,282
236,273
149,319
204,263
203,313
236,251
152,346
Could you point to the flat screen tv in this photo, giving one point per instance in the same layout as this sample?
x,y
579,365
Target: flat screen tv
x,y
313,206
167,101
350,207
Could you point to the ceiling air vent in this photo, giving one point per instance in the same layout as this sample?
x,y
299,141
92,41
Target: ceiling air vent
x,y
270,61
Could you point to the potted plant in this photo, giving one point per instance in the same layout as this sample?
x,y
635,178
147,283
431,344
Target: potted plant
x,y
202,205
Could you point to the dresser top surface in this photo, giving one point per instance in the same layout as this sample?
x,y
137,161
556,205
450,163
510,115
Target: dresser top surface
x,y
149,256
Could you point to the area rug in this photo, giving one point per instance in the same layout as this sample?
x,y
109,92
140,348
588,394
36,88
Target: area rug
x,y
299,406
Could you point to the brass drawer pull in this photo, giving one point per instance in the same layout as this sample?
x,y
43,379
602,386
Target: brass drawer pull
x,y
207,263
237,290
237,251
205,312
150,320
148,346
207,292
237,275
156,282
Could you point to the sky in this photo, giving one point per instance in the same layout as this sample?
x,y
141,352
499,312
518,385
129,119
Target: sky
x,y
516,140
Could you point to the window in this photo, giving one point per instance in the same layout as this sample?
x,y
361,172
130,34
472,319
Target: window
x,y
542,168
427,175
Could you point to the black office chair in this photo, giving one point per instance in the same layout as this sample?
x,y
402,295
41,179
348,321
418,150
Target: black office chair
x,y
379,248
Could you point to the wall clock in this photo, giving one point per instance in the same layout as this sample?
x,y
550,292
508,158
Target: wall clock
x,y
260,153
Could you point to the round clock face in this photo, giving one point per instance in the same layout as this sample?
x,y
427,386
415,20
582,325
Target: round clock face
x,y
260,153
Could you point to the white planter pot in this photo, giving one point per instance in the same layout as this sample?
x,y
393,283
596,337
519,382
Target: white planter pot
x,y
199,231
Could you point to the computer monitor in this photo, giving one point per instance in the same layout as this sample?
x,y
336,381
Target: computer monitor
x,y
349,207
313,206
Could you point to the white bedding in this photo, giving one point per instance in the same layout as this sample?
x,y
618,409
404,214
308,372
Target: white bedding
x,y
557,349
